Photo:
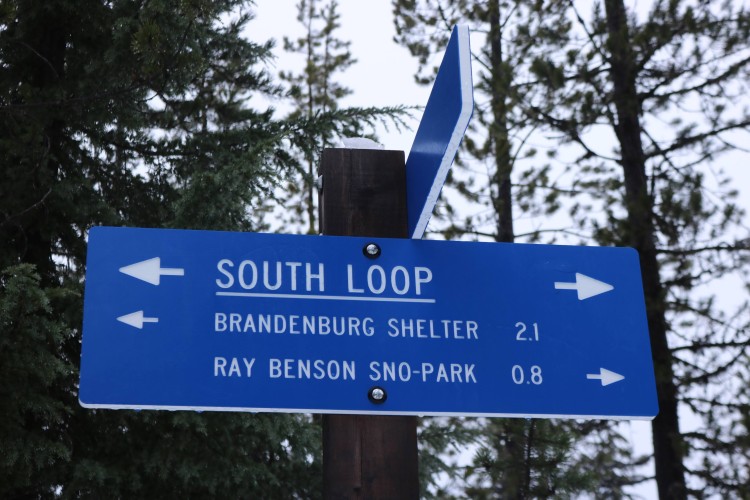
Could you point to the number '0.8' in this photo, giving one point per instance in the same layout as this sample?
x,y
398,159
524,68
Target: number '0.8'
x,y
519,376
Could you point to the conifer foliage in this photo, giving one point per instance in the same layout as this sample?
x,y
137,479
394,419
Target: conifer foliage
x,y
315,93
515,458
670,88
130,113
641,106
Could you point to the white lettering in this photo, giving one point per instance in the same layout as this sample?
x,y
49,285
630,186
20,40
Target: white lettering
x,y
374,371
471,329
274,368
234,368
310,276
249,366
318,369
266,275
350,281
426,329
370,285
234,321
394,280
442,375
220,365
241,271
422,275
293,271
456,372
393,330
220,322
221,266
428,372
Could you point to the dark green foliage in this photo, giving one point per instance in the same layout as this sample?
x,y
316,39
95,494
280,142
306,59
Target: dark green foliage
x,y
315,95
129,113
314,91
32,418
552,467
194,455
441,441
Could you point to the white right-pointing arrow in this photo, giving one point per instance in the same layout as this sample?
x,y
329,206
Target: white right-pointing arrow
x,y
150,271
607,377
585,286
136,319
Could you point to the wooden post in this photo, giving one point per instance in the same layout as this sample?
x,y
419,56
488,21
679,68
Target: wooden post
x,y
364,194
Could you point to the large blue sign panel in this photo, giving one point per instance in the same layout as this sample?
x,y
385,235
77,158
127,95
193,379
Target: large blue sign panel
x,y
261,322
440,131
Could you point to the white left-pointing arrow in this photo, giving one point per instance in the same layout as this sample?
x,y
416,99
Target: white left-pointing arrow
x,y
150,271
607,377
136,319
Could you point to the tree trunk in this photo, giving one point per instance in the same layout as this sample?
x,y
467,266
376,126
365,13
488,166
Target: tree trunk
x,y
45,36
510,438
500,82
668,453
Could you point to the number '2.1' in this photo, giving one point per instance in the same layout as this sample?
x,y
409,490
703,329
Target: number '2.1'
x,y
523,333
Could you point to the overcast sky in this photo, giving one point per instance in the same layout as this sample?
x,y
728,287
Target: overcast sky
x,y
384,72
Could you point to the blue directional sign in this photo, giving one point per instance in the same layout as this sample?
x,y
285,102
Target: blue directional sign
x,y
443,125
261,322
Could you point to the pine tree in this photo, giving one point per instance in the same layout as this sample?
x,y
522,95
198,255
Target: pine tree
x,y
32,420
315,93
670,89
130,113
515,458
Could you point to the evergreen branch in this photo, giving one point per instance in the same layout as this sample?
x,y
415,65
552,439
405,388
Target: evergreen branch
x,y
508,17
724,247
447,24
482,62
9,218
72,100
698,346
590,35
46,61
690,140
684,306
562,231
568,127
570,77
663,154
520,146
706,375
712,402
572,192
735,147
730,71
148,150
648,54
532,233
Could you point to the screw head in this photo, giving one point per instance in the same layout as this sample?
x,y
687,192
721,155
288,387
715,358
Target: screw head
x,y
371,250
377,395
